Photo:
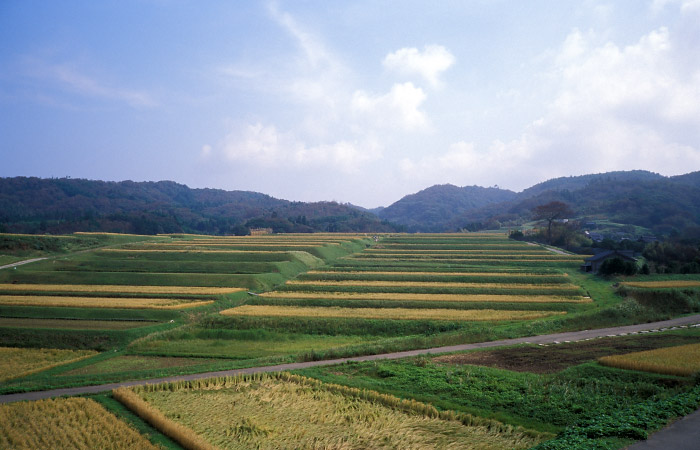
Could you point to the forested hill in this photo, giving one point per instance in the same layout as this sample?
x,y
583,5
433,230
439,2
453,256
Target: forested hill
x,y
35,205
433,208
660,203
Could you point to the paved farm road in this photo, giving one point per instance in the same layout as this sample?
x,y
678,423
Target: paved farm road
x,y
685,427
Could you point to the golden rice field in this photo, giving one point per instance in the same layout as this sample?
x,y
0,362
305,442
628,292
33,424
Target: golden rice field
x,y
269,413
683,360
497,298
387,313
552,259
433,284
158,250
65,423
100,302
113,288
20,362
662,284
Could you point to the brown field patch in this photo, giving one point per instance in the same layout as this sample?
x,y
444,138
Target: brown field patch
x,y
554,358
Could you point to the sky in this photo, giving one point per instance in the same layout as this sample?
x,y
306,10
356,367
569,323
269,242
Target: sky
x,y
350,101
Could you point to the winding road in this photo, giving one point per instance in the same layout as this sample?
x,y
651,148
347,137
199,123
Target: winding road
x,y
682,435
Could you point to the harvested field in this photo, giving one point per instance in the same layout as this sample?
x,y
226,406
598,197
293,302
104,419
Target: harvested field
x,y
75,423
274,413
20,362
681,361
554,358
100,302
428,297
71,324
388,313
193,290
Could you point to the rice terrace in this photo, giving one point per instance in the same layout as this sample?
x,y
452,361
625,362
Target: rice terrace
x,y
106,308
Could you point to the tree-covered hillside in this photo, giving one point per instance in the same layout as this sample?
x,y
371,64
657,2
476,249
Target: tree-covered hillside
x,y
35,205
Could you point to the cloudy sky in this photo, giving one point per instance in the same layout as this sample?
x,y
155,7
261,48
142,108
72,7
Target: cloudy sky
x,y
352,101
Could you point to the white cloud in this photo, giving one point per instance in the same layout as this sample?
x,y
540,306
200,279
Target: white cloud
x,y
686,6
264,146
399,108
615,108
71,79
429,64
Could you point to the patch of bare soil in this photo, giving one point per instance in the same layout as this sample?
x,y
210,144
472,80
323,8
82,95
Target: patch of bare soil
x,y
554,358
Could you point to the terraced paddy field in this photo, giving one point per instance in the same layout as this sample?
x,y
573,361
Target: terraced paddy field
x,y
428,272
76,423
265,300
286,411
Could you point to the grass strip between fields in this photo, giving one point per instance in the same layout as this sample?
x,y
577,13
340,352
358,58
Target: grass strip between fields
x,y
437,284
100,302
119,288
388,313
662,284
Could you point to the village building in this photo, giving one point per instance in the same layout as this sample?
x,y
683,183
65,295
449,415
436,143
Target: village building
x,y
593,263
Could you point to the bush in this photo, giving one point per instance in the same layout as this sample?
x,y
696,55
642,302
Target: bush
x,y
617,266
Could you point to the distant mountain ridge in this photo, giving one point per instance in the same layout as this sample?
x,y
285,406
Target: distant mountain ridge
x,y
635,197
36,205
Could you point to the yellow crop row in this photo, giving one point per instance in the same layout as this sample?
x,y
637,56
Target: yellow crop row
x,y
75,423
387,313
100,302
496,298
435,284
20,362
553,259
525,251
239,244
469,254
153,250
438,274
107,288
663,284
683,360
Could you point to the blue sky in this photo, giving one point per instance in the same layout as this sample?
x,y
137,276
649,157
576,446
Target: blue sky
x,y
361,102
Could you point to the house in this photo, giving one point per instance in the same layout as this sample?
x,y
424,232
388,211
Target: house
x,y
593,263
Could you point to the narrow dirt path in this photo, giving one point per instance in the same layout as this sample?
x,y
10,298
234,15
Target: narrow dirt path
x,y
543,339
20,263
